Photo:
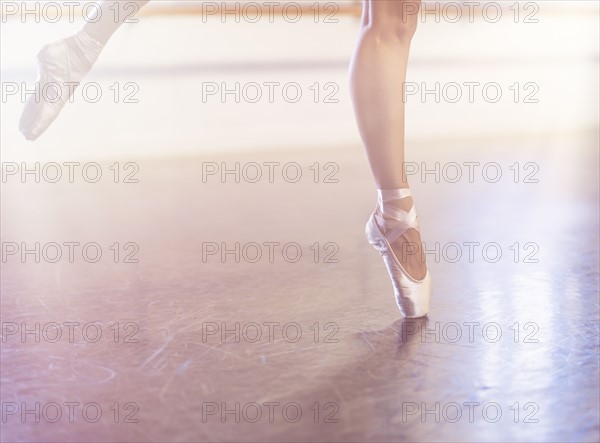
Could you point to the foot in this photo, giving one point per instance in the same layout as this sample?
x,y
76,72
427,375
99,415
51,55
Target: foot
x,y
408,247
62,66
393,230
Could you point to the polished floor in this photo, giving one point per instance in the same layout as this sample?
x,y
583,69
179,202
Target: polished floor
x,y
172,335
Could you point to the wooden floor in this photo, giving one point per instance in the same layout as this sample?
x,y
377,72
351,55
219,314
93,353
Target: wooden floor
x,y
188,337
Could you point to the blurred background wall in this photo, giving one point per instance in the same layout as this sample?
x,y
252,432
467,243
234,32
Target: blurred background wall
x,y
543,61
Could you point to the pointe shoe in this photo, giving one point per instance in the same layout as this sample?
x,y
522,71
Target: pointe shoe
x,y
61,65
412,296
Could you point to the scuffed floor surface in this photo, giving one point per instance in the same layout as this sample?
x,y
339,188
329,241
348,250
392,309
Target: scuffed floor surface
x,y
295,336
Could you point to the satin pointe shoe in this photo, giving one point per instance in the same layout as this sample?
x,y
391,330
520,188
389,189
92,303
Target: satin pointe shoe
x,y
412,296
62,65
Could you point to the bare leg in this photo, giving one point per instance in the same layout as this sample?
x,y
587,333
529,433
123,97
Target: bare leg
x,y
378,73
110,16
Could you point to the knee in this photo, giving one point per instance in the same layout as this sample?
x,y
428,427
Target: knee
x,y
395,20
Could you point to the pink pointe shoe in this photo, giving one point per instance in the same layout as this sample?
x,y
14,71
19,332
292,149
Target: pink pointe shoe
x,y
412,296
62,66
